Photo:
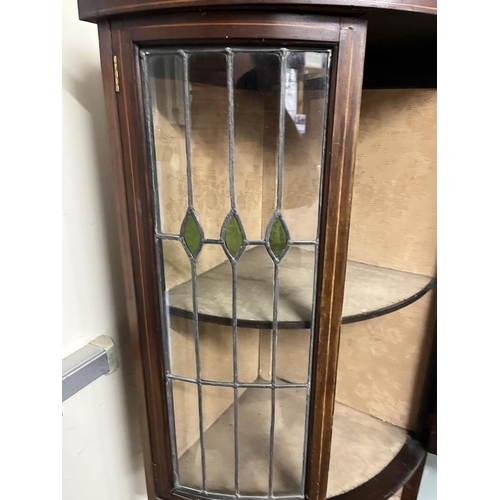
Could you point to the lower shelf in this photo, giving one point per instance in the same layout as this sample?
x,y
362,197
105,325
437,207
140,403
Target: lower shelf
x,y
362,448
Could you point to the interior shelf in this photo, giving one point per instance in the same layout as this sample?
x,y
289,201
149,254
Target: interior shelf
x,y
370,291
362,447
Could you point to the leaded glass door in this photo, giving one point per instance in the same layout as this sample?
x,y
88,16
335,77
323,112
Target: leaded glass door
x,y
236,134
236,148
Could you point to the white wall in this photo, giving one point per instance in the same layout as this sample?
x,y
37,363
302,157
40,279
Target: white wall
x,y
102,458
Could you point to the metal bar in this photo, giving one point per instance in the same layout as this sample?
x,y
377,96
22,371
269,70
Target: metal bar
x,y
164,236
235,379
84,366
230,97
290,243
237,385
281,130
187,124
273,377
279,193
196,332
302,242
255,242
224,496
198,370
221,50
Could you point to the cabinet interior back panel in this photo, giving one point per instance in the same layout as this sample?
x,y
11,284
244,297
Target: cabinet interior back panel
x,y
383,361
393,221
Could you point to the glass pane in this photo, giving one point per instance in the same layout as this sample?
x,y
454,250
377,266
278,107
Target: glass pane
x,y
167,110
216,341
296,278
306,81
187,432
239,257
177,270
256,106
209,140
289,434
218,422
254,412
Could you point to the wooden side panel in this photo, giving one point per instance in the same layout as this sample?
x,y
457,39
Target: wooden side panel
x,y
106,52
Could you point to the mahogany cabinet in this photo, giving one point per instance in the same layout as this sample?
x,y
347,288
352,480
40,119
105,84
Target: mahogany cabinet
x,y
281,303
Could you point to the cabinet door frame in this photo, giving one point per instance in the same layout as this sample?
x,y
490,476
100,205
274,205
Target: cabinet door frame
x,y
119,40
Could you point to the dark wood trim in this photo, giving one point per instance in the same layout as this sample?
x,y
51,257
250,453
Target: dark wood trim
x,y
137,184
210,27
106,53
297,325
431,423
344,108
92,10
405,465
411,487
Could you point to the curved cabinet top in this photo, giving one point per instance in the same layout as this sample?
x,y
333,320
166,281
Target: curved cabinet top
x,y
94,10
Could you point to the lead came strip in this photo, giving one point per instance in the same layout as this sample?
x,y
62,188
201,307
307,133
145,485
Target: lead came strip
x,y
187,119
231,384
279,192
230,95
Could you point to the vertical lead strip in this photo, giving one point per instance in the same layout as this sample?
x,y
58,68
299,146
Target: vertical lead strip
x,y
273,378
187,125
230,96
281,129
159,259
196,333
279,194
315,272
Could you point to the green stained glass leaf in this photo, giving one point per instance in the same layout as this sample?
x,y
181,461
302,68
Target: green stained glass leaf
x,y
277,238
192,235
233,236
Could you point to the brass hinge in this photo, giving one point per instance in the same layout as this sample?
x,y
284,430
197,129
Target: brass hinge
x,y
117,78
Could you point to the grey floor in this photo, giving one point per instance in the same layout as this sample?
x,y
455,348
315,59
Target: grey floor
x,y
428,486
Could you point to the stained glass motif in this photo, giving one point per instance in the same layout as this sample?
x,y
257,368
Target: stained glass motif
x,y
277,237
192,234
233,235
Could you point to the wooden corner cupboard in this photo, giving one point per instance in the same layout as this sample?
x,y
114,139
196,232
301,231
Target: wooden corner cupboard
x,y
281,303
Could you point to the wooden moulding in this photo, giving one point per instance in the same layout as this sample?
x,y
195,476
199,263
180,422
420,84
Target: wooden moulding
x,y
342,131
93,10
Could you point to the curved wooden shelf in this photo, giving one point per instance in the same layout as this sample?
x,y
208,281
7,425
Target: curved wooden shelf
x,y
391,479
369,457
370,291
